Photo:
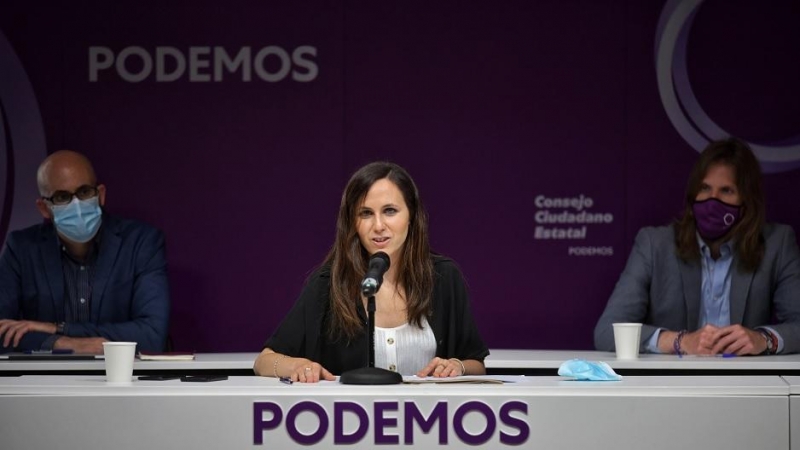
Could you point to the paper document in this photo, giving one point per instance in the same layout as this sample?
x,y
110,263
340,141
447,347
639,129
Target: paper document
x,y
472,379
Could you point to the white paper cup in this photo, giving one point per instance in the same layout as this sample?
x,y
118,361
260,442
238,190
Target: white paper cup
x,y
626,339
119,361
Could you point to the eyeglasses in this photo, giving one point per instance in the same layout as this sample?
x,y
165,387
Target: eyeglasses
x,y
84,192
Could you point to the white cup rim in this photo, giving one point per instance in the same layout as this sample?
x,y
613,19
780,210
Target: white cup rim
x,y
118,343
626,324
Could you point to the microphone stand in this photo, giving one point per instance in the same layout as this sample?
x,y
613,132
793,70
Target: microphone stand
x,y
370,374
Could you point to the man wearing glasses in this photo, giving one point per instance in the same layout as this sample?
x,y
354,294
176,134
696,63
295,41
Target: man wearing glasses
x,y
83,276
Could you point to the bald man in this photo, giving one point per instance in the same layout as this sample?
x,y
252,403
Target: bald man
x,y
83,276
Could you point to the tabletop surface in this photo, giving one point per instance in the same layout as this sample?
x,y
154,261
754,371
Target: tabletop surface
x,y
672,386
202,361
543,359
498,359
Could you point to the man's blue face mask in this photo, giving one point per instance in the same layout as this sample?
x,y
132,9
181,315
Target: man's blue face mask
x,y
78,220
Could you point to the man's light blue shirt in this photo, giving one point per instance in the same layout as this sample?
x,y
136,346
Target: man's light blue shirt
x,y
715,286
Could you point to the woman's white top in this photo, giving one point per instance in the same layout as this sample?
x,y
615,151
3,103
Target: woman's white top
x,y
405,349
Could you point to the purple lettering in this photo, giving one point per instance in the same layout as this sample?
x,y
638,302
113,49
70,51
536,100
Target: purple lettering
x,y
413,414
339,436
513,422
382,422
260,425
463,434
316,436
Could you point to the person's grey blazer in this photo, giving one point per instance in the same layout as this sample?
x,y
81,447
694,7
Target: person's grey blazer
x,y
660,290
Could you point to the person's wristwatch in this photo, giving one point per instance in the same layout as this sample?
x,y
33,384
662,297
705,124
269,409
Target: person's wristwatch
x,y
771,344
60,328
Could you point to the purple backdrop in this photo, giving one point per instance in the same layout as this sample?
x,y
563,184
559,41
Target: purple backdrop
x,y
495,109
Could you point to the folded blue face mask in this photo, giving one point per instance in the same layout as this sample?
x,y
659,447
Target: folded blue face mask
x,y
581,369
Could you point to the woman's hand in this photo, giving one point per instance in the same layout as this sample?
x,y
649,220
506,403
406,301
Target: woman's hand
x,y
303,370
442,368
307,371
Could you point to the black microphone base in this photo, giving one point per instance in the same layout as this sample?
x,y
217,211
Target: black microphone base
x,y
370,375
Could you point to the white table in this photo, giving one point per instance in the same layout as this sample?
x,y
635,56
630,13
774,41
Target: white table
x,y
539,412
794,409
203,362
539,362
544,360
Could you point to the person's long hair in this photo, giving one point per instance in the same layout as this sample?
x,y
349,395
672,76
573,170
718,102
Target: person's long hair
x,y
746,234
348,259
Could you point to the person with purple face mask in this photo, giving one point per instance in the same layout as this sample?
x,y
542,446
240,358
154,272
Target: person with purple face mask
x,y
83,276
720,280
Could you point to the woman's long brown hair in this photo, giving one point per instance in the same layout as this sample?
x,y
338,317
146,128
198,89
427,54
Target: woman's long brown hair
x,y
348,259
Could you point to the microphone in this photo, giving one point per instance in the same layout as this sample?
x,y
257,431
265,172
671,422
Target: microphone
x,y
378,265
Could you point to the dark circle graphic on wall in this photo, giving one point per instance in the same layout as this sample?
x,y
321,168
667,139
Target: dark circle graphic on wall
x,y
7,155
22,143
679,101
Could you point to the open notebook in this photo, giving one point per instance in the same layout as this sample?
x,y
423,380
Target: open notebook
x,y
166,356
41,356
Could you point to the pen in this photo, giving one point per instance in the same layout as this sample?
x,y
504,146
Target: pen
x,y
286,380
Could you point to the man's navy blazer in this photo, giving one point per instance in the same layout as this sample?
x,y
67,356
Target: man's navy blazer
x,y
130,291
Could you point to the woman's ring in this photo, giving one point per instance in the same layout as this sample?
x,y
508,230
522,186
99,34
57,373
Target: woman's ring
x,y
308,369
